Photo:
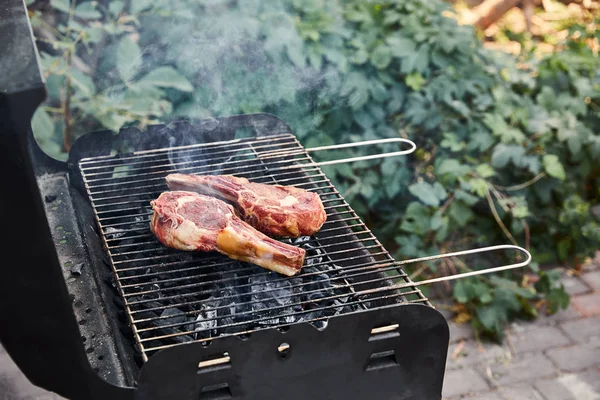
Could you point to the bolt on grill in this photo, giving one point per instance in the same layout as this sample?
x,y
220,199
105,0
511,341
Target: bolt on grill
x,y
173,297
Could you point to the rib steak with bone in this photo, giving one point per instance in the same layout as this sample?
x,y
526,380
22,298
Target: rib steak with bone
x,y
283,211
194,222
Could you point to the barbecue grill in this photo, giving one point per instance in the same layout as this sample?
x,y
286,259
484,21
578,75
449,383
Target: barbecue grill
x,y
94,307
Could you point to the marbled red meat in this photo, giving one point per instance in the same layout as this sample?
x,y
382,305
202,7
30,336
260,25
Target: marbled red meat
x,y
275,210
194,222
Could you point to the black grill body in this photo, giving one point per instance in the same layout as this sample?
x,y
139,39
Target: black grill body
x,y
66,331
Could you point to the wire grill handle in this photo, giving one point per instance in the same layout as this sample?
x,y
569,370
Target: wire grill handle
x,y
455,276
413,147
295,152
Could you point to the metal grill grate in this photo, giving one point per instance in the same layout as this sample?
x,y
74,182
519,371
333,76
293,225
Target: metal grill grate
x,y
173,297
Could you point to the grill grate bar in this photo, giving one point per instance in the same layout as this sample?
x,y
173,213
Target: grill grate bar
x,y
372,267
137,208
241,170
154,282
287,181
149,212
164,153
368,270
147,220
153,242
310,241
146,229
174,166
176,253
187,286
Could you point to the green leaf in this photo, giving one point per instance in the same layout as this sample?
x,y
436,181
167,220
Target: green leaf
x,y
492,317
295,52
465,197
452,142
546,98
116,7
460,213
415,81
503,154
140,5
166,77
416,219
429,194
480,291
112,120
41,124
129,58
479,186
553,167
557,298
82,82
452,167
381,57
409,245
595,146
460,291
485,170
401,46
61,5
562,248
88,10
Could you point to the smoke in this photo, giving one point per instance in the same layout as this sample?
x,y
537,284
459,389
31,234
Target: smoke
x,y
243,57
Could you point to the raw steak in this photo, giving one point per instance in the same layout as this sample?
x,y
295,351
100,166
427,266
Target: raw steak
x,y
276,210
193,222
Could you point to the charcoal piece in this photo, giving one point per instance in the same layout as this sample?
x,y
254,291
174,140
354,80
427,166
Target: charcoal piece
x,y
205,323
76,269
270,290
145,315
114,233
176,316
300,240
49,198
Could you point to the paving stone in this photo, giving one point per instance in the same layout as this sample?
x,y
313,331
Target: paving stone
x,y
520,392
481,396
575,286
560,316
583,386
583,330
588,304
577,357
592,279
462,381
460,332
15,386
485,396
519,369
537,338
469,353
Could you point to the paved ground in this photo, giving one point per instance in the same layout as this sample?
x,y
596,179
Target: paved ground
x,y
553,358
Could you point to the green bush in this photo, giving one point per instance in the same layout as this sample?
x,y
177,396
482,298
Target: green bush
x,y
508,151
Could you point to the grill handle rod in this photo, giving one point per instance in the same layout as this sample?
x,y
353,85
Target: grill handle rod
x,y
413,147
455,276
287,153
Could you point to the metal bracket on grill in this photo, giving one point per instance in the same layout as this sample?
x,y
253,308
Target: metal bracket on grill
x,y
287,153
